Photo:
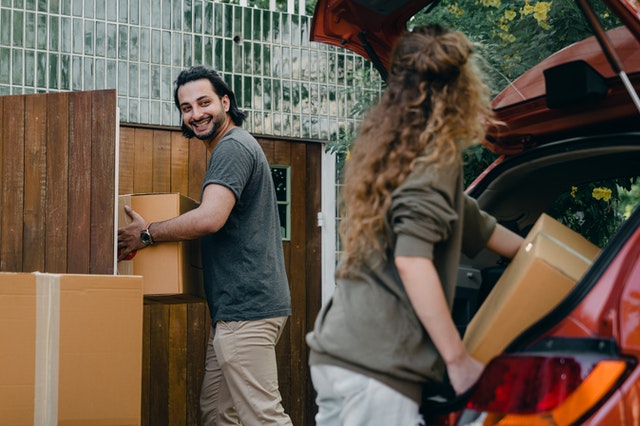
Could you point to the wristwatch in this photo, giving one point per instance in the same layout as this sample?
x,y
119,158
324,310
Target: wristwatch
x,y
145,236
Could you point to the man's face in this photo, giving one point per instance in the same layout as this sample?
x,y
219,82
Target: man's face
x,y
203,111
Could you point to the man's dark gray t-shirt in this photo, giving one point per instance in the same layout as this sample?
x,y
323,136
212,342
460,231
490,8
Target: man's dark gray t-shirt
x,y
244,271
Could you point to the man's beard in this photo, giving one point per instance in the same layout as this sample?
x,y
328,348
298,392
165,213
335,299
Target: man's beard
x,y
216,124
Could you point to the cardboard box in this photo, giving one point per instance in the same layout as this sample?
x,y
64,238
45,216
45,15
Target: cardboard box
x,y
168,267
551,260
71,351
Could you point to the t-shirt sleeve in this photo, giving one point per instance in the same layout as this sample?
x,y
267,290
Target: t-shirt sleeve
x,y
230,165
422,212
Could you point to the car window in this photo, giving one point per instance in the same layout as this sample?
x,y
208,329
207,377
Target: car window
x,y
597,209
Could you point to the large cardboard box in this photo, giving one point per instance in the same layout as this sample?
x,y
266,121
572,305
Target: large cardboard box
x,y
549,263
168,267
71,349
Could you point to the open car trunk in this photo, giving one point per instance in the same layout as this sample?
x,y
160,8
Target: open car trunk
x,y
561,138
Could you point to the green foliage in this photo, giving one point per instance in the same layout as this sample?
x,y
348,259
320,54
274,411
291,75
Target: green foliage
x,y
629,197
514,36
365,90
596,209
476,159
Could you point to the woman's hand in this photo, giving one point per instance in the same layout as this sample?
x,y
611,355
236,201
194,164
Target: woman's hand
x,y
464,373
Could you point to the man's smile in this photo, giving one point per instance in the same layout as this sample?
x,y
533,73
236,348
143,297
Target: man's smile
x,y
198,125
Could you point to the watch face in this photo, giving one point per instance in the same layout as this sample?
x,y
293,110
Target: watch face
x,y
145,237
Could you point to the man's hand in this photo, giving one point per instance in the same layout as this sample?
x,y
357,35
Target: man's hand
x,y
129,236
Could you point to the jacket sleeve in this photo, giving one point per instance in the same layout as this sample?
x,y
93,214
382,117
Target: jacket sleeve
x,y
478,226
422,212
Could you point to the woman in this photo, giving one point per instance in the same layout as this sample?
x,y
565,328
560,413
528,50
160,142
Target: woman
x,y
387,330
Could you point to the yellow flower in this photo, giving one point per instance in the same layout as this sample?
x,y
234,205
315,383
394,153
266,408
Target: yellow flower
x,y
454,9
574,190
541,10
505,36
543,7
510,15
348,155
601,193
527,9
490,3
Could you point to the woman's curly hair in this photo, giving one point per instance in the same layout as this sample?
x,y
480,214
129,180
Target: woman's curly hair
x,y
435,105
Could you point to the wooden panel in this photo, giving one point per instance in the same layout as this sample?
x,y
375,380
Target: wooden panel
x,y
198,324
313,263
143,171
177,370
161,161
268,147
179,164
298,353
103,183
126,159
158,409
198,159
12,183
56,227
173,356
33,229
79,183
282,152
58,184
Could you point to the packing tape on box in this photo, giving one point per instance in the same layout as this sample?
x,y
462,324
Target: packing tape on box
x,y
47,349
565,246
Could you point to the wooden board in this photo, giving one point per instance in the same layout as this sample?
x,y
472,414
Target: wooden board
x,y
58,171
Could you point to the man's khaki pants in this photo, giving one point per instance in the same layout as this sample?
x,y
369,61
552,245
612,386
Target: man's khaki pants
x,y
240,385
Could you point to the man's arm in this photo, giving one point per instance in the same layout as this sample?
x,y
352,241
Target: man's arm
x,y
207,218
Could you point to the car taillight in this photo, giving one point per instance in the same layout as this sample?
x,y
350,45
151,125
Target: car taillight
x,y
532,390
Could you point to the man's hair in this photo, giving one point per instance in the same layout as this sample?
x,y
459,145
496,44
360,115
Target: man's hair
x,y
221,88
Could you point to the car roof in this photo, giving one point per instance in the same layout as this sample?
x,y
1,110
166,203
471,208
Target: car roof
x,y
368,27
372,27
531,121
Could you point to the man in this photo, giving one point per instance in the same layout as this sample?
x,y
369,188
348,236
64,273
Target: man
x,y
244,273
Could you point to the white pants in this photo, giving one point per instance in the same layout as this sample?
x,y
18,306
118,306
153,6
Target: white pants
x,y
346,398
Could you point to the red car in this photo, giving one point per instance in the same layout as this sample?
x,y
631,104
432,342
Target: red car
x,y
572,125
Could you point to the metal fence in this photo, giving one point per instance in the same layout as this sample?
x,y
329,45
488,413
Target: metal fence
x,y
289,86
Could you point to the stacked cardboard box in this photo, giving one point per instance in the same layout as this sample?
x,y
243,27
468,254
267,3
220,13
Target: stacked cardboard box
x,y
551,260
169,267
71,350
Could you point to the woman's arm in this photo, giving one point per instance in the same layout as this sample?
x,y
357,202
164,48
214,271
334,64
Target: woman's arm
x,y
424,289
504,242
